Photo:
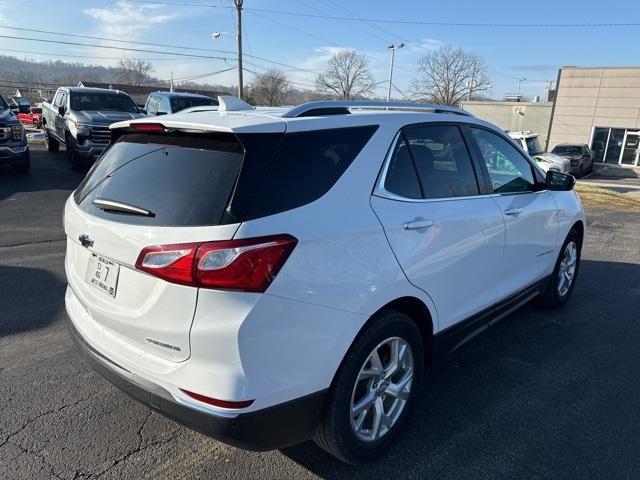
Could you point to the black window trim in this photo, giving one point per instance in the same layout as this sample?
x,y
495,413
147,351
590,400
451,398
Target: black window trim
x,y
379,189
539,185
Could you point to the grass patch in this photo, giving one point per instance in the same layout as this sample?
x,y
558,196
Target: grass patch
x,y
602,197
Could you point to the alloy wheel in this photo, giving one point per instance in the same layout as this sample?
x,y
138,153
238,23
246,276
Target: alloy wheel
x,y
567,268
382,389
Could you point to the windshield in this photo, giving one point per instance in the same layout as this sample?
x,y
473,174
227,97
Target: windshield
x,y
3,103
533,146
111,102
567,150
180,103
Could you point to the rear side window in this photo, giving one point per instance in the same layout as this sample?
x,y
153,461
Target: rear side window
x,y
431,161
306,166
402,178
181,180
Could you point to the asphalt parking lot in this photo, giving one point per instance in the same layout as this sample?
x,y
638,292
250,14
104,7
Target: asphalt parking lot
x,y
544,394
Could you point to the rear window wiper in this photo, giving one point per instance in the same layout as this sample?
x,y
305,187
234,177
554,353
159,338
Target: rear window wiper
x,y
120,207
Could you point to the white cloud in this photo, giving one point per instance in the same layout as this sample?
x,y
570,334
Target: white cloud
x,y
128,21
426,45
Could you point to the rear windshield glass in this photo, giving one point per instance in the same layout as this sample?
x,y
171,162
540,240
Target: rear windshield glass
x,y
81,101
180,180
180,103
306,166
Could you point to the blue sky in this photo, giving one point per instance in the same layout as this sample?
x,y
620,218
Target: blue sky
x,y
307,43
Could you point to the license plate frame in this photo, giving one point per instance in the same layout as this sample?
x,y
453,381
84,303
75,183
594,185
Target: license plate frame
x,y
103,274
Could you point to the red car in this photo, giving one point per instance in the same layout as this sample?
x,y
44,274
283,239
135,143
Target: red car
x,y
33,118
29,116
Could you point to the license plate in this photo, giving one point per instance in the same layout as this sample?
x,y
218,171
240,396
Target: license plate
x,y
102,273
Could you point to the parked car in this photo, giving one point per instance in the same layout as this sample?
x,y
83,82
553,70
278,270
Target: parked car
x,y
14,151
33,118
286,275
79,118
579,155
530,143
165,103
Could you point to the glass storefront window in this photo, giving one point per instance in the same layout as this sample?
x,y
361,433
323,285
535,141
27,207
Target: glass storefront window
x,y
599,143
615,145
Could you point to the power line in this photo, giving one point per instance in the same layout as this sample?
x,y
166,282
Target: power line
x,y
408,22
191,55
308,34
133,42
200,75
91,57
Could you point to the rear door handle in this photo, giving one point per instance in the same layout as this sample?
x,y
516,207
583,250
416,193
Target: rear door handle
x,y
417,224
513,211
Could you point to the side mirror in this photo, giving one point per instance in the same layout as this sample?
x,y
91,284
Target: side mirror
x,y
62,110
559,181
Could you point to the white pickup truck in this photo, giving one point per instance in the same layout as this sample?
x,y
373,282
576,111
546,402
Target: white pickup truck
x,y
530,143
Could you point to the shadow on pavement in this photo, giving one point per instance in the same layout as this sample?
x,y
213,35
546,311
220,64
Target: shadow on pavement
x,y
541,393
45,174
30,299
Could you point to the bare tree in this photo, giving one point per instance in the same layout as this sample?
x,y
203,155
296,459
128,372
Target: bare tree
x,y
347,76
270,88
134,72
446,75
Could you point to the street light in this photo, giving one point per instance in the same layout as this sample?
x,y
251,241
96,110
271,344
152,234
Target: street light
x,y
217,35
519,83
393,48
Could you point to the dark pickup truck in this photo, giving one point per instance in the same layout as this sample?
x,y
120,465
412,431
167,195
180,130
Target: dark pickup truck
x,y
14,151
79,118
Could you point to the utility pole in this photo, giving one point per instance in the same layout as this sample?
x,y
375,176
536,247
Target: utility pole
x,y
393,48
520,83
238,4
171,84
471,85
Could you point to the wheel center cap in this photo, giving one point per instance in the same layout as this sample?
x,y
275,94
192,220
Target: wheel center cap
x,y
382,386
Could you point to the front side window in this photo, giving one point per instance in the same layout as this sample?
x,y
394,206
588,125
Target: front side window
x,y
508,169
431,161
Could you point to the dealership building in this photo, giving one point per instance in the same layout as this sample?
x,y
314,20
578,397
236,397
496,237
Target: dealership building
x,y
599,107
596,106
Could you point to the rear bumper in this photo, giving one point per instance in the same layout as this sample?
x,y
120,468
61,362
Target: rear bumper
x,y
267,429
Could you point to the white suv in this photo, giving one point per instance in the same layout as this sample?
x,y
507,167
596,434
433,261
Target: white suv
x,y
270,276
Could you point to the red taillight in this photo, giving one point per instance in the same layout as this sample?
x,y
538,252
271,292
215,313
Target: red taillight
x,y
218,403
148,127
248,265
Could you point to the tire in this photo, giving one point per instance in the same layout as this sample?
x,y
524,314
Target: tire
x,y
557,294
51,143
24,166
336,432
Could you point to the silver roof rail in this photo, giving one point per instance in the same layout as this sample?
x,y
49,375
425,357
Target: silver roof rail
x,y
333,107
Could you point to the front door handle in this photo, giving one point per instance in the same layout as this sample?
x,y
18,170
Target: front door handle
x,y
513,211
417,224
